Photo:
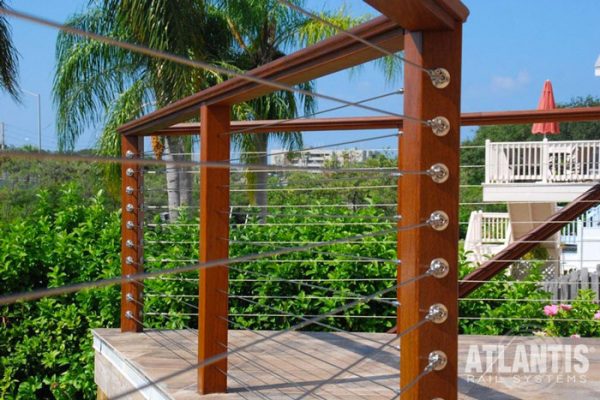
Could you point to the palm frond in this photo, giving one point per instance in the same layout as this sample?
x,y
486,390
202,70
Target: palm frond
x,y
130,104
9,59
312,31
89,77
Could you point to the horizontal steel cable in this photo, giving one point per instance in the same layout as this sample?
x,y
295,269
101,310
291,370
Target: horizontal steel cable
x,y
35,294
325,146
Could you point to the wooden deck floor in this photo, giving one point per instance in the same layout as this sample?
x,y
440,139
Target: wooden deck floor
x,y
305,365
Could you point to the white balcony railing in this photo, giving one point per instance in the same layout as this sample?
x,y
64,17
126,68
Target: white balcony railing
x,y
544,161
487,233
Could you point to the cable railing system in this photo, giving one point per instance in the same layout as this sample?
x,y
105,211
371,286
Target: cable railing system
x,y
439,124
254,281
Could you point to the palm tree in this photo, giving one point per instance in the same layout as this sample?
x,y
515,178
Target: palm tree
x,y
8,59
96,83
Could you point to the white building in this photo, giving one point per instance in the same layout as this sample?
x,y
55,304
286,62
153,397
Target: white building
x,y
532,178
319,157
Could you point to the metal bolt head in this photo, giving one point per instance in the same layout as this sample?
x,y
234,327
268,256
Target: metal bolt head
x,y
439,220
129,207
129,243
129,154
440,126
128,314
129,297
129,190
129,224
437,360
439,173
440,77
129,260
438,313
129,172
439,268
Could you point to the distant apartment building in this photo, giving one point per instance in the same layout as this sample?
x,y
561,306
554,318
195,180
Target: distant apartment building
x,y
319,158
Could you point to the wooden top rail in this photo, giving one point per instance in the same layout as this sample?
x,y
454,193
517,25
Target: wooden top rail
x,y
331,55
386,122
423,15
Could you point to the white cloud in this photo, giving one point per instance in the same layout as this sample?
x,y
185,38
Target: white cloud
x,y
510,83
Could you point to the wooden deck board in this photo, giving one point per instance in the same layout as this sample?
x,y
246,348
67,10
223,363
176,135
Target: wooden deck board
x,y
310,365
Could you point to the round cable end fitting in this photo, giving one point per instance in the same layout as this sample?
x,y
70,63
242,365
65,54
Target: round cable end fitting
x,y
129,225
439,220
129,260
438,313
439,268
440,126
129,154
439,173
128,314
129,297
437,360
440,77
130,207
129,172
129,190
129,243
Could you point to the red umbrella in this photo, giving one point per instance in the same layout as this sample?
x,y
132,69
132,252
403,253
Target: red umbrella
x,y
546,103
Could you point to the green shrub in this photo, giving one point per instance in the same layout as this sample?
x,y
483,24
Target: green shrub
x,y
45,346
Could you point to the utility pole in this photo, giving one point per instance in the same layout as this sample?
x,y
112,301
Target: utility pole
x,y
39,110
2,143
39,116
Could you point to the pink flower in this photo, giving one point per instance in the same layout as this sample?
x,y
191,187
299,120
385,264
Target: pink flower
x,y
575,336
566,307
597,315
552,310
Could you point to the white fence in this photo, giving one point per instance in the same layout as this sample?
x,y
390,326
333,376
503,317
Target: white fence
x,y
543,161
566,287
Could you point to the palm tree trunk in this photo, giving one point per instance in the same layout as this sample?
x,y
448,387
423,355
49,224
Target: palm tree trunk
x,y
261,194
185,184
172,176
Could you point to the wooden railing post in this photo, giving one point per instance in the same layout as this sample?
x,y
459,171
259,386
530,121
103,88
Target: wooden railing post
x,y
132,147
418,197
214,245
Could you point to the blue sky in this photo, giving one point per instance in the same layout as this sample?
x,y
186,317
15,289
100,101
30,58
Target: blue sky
x,y
510,48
